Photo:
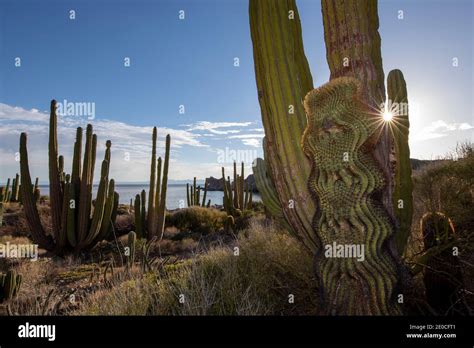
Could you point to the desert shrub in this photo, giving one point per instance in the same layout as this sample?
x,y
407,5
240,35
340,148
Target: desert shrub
x,y
448,187
269,268
197,220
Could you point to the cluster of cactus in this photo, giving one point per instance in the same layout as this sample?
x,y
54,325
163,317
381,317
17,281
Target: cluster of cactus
x,y
237,195
150,223
14,195
193,195
9,285
278,51
77,223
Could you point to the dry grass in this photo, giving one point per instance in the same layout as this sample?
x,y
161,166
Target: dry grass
x,y
269,267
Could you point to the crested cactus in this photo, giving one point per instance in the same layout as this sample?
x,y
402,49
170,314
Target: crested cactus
x,y
193,195
353,49
237,195
278,51
346,179
76,226
152,224
9,285
403,188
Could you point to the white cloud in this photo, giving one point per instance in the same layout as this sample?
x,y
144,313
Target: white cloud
x,y
213,127
251,142
440,129
128,141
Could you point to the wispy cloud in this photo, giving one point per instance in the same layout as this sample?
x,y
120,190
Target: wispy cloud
x,y
440,129
214,127
131,144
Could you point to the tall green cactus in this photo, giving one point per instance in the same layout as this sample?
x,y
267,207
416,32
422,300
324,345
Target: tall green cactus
x,y
346,179
9,285
153,223
15,197
403,189
237,195
1,214
193,195
75,225
283,79
353,49
131,245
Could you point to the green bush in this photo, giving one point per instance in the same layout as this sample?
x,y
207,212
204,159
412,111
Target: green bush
x,y
197,220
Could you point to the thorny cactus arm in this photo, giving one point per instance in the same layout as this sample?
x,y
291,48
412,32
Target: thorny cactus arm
x,y
345,180
403,188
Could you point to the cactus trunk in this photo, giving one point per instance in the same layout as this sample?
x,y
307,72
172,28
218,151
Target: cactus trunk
x,y
283,79
403,189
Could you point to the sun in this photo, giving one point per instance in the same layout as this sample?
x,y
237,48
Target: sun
x,y
387,116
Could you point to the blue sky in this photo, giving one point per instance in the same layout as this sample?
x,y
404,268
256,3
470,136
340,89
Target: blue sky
x,y
190,62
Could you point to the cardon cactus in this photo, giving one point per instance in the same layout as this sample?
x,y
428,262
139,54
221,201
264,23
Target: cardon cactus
x,y
9,285
193,195
15,196
442,275
237,195
1,214
353,50
36,191
397,104
76,226
346,180
131,245
278,52
152,224
6,194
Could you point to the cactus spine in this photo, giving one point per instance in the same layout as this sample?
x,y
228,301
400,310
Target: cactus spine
x,y
9,285
75,225
403,189
345,182
283,79
153,223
